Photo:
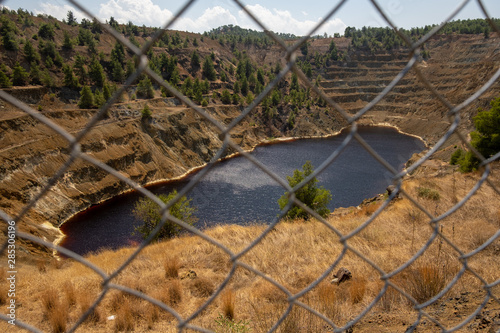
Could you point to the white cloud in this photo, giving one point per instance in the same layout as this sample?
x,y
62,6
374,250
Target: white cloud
x,y
59,12
283,21
210,19
147,13
138,12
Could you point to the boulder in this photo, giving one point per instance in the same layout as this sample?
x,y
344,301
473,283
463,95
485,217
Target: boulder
x,y
392,188
342,275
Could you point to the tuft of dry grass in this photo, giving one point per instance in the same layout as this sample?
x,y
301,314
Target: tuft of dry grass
x,y
49,299
425,281
327,299
391,299
171,266
124,320
85,300
268,292
202,287
58,318
4,291
357,289
170,293
69,292
55,311
152,314
227,306
428,193
41,266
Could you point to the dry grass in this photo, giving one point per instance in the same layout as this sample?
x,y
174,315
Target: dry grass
x,y
170,293
152,314
69,292
50,300
327,299
4,291
58,319
227,306
425,281
202,287
124,316
294,255
55,311
85,300
171,265
391,299
357,290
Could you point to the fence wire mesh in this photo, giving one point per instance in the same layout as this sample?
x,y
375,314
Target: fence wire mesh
x,y
293,299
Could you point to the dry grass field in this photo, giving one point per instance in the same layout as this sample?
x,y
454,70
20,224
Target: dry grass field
x,y
54,294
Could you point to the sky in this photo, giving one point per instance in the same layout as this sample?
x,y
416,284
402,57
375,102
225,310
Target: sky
x,y
292,16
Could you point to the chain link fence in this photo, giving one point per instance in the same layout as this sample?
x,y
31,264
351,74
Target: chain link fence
x,y
454,113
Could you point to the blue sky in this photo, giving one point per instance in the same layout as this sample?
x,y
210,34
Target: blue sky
x,y
292,16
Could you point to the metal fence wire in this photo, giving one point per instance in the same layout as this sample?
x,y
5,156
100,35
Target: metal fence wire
x,y
454,113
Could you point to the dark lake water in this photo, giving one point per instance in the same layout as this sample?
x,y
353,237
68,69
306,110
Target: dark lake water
x,y
236,191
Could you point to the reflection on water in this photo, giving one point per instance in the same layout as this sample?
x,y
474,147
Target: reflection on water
x,y
236,191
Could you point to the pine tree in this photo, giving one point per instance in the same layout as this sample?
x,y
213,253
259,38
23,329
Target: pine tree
x,y
46,31
106,92
35,74
208,69
67,42
118,53
149,212
9,41
226,97
70,19
96,73
244,86
145,88
69,78
47,79
19,75
195,61
117,71
79,69
315,198
98,98
86,98
4,80
30,53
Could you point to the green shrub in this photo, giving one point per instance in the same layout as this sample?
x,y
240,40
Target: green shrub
x,y
227,325
457,156
146,112
486,138
5,82
427,193
145,88
148,211
317,198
